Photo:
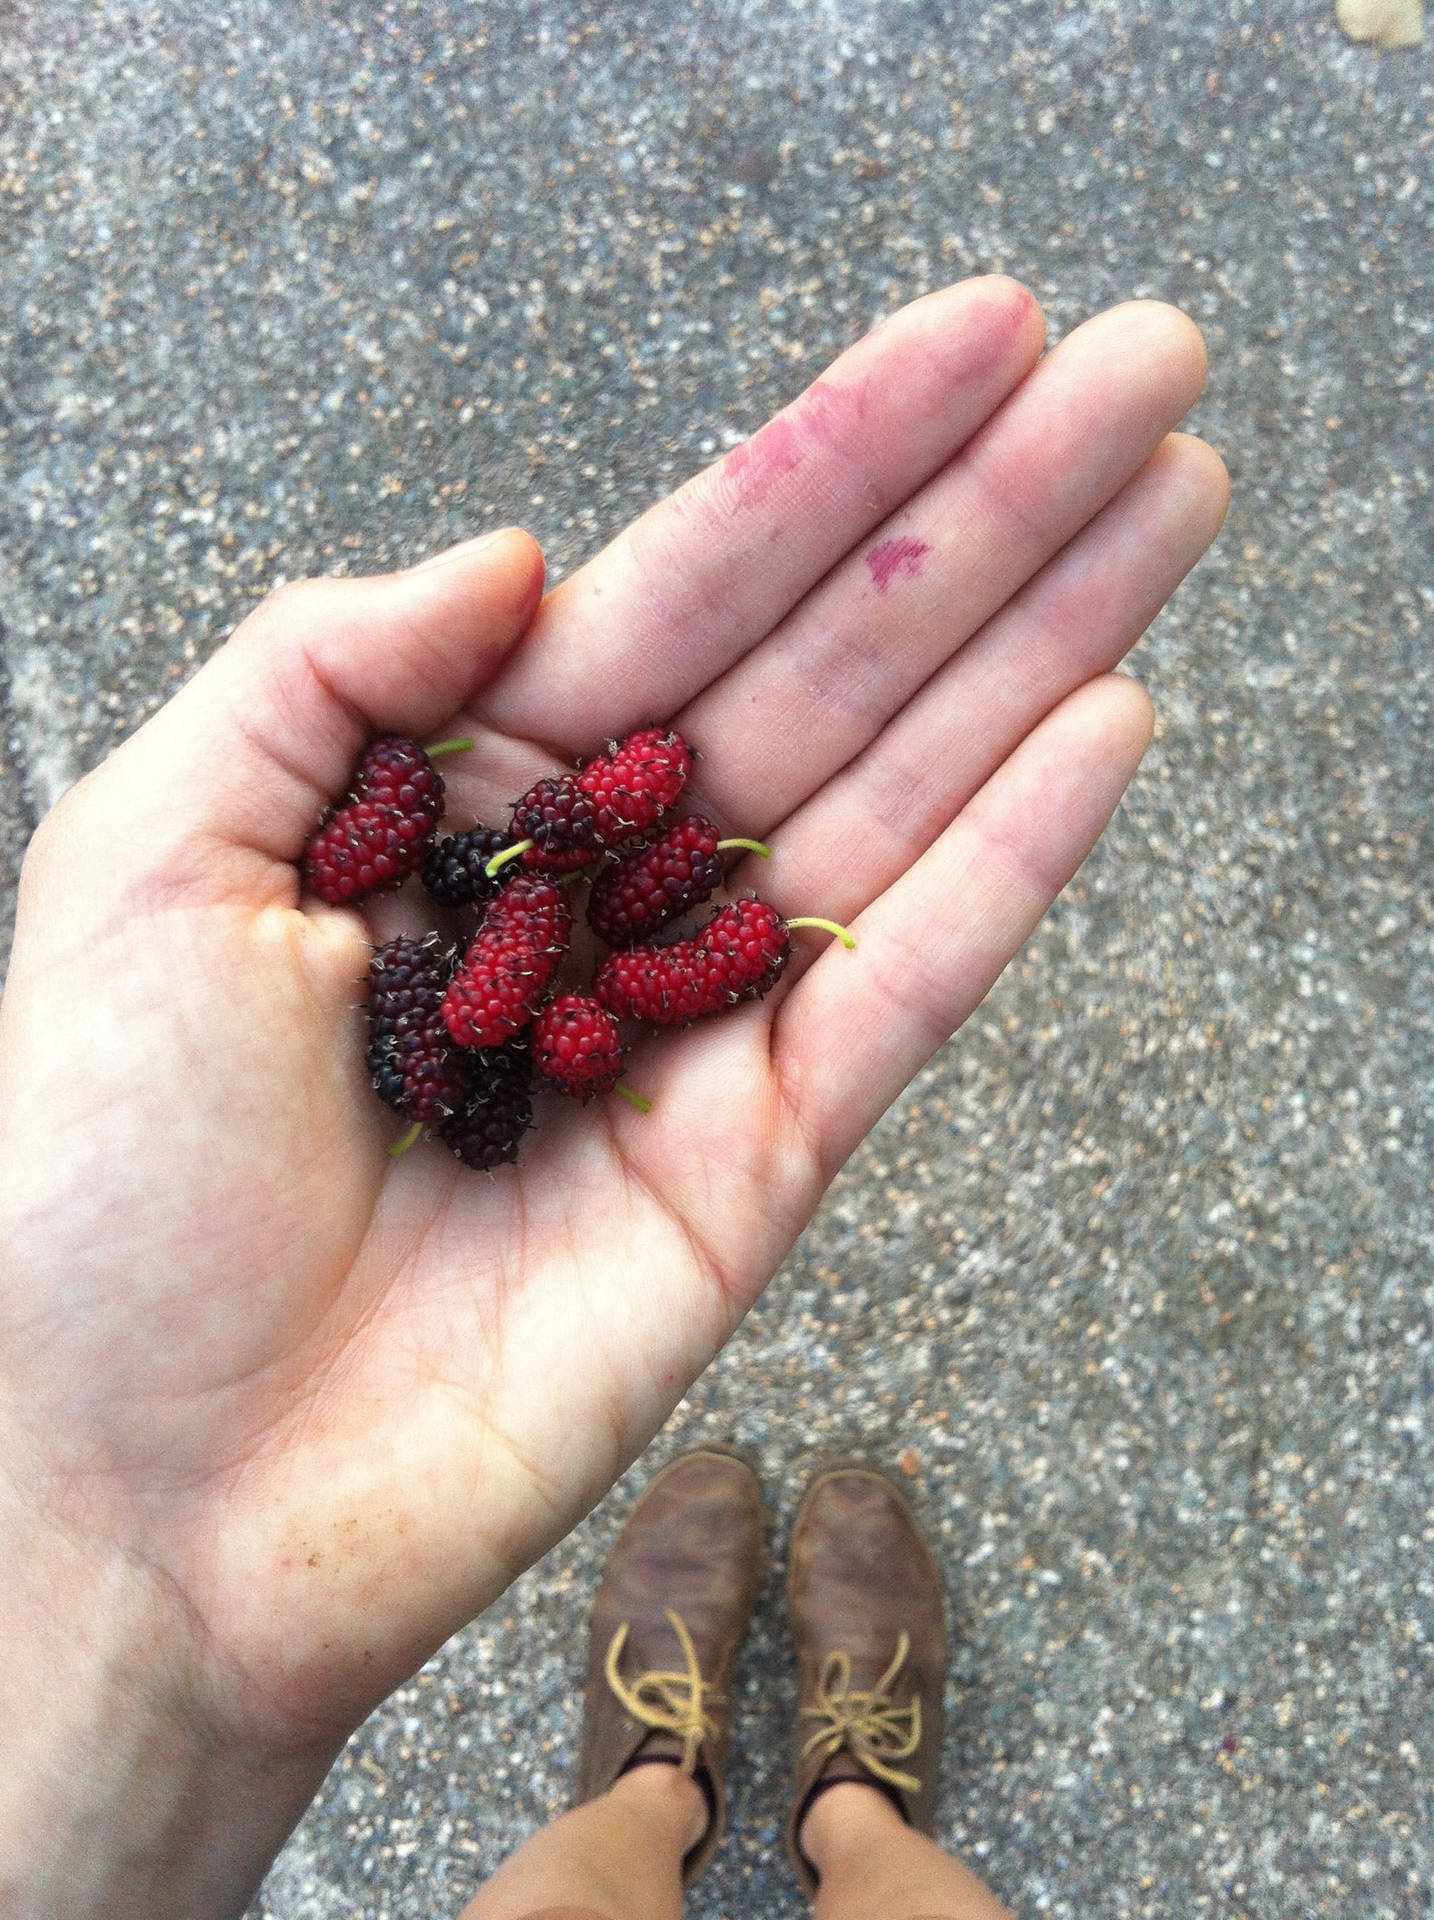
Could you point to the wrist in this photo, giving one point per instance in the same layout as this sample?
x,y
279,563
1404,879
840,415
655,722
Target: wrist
x,y
120,1795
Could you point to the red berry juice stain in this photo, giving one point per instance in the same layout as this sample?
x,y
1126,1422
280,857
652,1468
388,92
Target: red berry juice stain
x,y
753,469
822,409
750,471
892,557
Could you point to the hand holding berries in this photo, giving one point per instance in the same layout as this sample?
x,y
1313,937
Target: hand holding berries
x,y
449,1043
301,1375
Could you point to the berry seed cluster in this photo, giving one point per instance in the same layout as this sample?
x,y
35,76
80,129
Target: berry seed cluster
x,y
456,1036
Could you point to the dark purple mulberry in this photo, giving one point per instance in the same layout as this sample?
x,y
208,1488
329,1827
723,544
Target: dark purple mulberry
x,y
414,1065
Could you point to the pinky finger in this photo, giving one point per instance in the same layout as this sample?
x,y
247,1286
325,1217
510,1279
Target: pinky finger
x,y
857,1027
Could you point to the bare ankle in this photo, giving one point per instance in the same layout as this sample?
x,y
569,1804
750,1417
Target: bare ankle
x,y
847,1813
664,1793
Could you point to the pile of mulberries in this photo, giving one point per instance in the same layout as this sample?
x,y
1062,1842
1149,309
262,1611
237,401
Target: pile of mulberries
x,y
458,1035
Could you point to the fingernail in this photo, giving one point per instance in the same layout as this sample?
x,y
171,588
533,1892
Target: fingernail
x,y
463,551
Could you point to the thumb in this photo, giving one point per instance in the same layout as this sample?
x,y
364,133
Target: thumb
x,y
268,731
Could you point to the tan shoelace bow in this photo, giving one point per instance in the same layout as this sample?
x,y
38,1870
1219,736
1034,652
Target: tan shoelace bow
x,y
874,1731
673,1703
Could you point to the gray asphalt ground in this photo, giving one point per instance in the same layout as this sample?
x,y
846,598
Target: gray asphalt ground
x,y
1133,1285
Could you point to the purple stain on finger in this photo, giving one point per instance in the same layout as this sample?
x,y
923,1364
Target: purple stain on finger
x,y
750,471
823,416
893,557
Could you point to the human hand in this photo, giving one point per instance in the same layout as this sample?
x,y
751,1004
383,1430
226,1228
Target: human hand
x,y
280,1412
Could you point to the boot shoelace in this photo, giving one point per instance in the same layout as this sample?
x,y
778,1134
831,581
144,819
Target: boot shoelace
x,y
674,1703
874,1731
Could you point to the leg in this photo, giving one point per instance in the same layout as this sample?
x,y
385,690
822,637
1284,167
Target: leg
x,y
873,1866
618,1857
666,1622
869,1629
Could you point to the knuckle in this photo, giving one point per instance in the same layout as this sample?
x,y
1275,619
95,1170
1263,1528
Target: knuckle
x,y
56,824
292,596
66,826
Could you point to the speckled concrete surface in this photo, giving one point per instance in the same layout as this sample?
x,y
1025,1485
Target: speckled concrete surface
x,y
1134,1283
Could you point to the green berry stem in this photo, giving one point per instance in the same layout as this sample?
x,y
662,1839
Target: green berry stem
x,y
633,1099
449,746
752,846
827,926
402,1146
508,853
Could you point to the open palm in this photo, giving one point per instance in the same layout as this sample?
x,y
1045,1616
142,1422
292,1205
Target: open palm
x,y
330,1402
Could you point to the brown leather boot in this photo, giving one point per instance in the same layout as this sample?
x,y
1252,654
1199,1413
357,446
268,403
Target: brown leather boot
x,y
666,1623
868,1621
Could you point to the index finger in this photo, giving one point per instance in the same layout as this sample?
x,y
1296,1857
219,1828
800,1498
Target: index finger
x,y
694,583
